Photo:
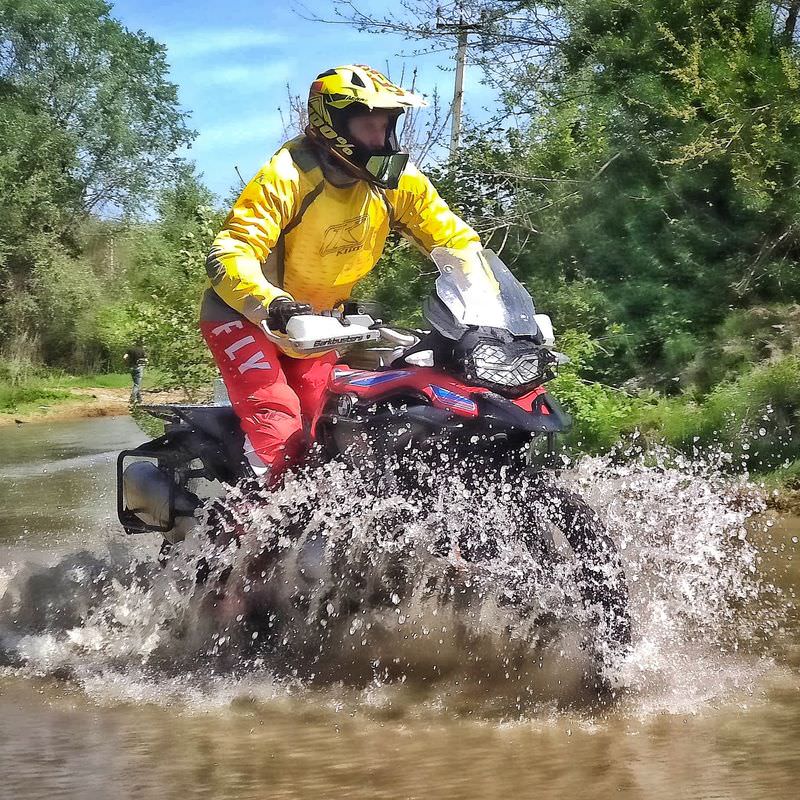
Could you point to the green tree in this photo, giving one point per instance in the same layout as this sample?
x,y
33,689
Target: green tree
x,y
659,174
103,88
90,124
167,276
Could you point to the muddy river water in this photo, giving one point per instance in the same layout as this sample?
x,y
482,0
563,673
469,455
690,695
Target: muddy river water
x,y
708,705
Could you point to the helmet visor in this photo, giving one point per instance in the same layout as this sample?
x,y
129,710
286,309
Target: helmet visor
x,y
387,169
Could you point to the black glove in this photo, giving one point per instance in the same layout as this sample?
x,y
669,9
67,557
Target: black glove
x,y
282,309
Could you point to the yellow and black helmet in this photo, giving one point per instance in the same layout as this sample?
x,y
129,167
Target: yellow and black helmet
x,y
338,95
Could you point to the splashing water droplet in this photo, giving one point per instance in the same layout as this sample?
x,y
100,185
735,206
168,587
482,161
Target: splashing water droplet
x,y
353,554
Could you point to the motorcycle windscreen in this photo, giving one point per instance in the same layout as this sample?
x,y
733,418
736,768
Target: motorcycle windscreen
x,y
479,289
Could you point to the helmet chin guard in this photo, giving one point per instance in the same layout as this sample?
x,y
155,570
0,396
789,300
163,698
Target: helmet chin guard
x,y
386,170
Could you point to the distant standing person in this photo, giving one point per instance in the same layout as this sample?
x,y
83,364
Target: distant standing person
x,y
136,359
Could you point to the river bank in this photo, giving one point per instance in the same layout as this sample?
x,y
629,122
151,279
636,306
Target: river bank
x,y
83,402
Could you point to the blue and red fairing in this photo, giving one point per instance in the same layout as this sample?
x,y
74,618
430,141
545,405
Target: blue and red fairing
x,y
535,411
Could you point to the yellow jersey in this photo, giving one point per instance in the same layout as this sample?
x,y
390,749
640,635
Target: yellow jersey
x,y
292,232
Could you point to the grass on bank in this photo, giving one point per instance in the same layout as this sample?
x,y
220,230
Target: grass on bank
x,y
111,380
754,416
16,399
44,388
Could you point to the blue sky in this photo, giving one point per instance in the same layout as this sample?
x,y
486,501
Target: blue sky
x,y
232,60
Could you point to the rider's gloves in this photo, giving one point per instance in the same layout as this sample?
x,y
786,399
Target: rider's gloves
x,y
282,309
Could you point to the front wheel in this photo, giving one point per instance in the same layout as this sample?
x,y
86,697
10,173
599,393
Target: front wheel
x,y
601,579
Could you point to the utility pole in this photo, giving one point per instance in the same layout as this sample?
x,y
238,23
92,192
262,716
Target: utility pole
x,y
462,30
458,93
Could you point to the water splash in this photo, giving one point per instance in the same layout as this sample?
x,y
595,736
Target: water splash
x,y
335,583
702,611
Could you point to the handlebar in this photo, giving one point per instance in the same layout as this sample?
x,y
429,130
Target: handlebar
x,y
397,338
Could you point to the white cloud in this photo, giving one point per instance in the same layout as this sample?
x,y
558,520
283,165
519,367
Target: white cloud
x,y
259,128
211,41
254,75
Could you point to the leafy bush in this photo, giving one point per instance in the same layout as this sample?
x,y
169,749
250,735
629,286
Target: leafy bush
x,y
754,417
600,413
18,363
173,270
106,335
745,338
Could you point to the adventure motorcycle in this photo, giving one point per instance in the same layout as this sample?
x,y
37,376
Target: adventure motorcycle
x,y
467,396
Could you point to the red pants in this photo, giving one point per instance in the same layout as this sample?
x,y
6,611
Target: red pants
x,y
272,394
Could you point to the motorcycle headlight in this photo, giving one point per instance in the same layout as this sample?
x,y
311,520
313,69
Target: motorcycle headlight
x,y
514,365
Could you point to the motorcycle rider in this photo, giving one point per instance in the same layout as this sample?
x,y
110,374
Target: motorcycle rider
x,y
304,231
